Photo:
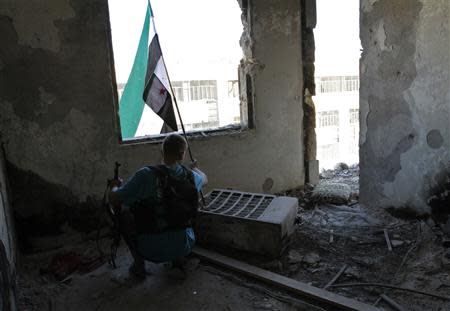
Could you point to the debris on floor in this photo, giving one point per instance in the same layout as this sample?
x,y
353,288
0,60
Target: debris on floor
x,y
340,247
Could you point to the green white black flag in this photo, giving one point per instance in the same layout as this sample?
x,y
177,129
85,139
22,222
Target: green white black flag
x,y
157,85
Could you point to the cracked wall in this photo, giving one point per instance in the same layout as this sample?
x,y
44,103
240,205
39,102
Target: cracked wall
x,y
404,98
57,112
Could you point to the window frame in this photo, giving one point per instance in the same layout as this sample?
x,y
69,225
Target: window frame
x,y
247,116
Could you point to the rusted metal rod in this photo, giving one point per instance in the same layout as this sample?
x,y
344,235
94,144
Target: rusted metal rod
x,y
388,241
336,277
392,303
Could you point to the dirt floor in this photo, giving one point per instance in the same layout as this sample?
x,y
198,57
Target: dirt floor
x,y
327,238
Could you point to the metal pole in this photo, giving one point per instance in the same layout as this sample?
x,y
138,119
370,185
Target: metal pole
x,y
178,111
176,106
171,90
181,122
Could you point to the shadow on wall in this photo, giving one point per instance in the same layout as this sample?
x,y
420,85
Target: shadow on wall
x,y
44,208
438,201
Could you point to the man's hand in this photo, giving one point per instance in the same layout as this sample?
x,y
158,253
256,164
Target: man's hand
x,y
194,167
114,200
194,164
115,183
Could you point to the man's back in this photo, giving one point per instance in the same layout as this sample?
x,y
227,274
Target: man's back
x,y
143,187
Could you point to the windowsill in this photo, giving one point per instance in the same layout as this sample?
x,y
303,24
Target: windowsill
x,y
192,135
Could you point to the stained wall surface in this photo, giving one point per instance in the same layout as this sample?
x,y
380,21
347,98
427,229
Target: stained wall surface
x,y
405,105
57,113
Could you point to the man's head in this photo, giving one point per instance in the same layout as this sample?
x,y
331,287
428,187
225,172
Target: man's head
x,y
174,148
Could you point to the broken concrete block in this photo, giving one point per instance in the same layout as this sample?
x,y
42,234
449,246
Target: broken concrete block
x,y
252,222
294,257
334,193
352,273
341,166
396,243
311,258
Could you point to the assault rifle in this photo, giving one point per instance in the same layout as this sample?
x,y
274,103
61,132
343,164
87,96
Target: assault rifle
x,y
114,217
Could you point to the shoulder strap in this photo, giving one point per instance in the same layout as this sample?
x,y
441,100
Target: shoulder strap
x,y
160,170
189,175
161,173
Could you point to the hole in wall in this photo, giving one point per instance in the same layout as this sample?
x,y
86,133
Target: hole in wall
x,y
337,82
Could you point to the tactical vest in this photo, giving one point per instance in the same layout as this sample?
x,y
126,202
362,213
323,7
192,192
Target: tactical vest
x,y
175,205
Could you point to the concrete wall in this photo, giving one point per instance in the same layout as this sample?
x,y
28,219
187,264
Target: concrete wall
x,y
7,245
405,106
57,104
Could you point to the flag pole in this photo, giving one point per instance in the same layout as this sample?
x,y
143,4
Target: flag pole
x,y
181,123
178,111
173,94
176,106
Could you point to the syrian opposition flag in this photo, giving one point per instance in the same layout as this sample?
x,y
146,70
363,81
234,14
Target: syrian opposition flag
x,y
157,85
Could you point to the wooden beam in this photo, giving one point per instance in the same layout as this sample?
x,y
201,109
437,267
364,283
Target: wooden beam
x,y
293,286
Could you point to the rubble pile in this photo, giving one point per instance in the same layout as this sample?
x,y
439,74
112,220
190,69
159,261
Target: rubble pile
x,y
440,203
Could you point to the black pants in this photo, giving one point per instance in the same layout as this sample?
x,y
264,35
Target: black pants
x,y
128,231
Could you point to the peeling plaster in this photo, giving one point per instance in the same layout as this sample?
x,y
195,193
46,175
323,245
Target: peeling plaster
x,y
364,113
382,135
380,35
282,22
34,21
367,5
57,113
61,166
404,100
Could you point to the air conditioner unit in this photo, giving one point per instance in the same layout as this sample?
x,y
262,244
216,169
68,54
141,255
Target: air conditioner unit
x,y
252,222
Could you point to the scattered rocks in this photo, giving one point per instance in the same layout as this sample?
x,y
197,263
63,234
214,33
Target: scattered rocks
x,y
293,268
397,243
341,166
311,258
447,254
352,273
365,261
445,261
334,193
294,257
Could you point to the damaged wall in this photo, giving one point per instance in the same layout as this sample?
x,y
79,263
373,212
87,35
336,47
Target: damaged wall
x,y
57,112
405,106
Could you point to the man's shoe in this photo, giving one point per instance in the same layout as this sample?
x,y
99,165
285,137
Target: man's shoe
x,y
138,272
178,269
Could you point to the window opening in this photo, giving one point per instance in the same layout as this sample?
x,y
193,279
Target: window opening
x,y
202,59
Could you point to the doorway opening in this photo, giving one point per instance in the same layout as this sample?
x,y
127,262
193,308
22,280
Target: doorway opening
x,y
337,83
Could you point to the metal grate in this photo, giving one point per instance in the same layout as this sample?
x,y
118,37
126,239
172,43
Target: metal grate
x,y
239,204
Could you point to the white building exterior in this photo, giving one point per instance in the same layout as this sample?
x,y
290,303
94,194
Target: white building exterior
x,y
337,120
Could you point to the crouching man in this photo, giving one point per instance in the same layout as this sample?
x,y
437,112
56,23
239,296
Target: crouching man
x,y
156,206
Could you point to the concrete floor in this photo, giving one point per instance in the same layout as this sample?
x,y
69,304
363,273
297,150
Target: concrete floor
x,y
107,289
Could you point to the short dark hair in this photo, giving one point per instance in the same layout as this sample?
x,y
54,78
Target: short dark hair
x,y
174,145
